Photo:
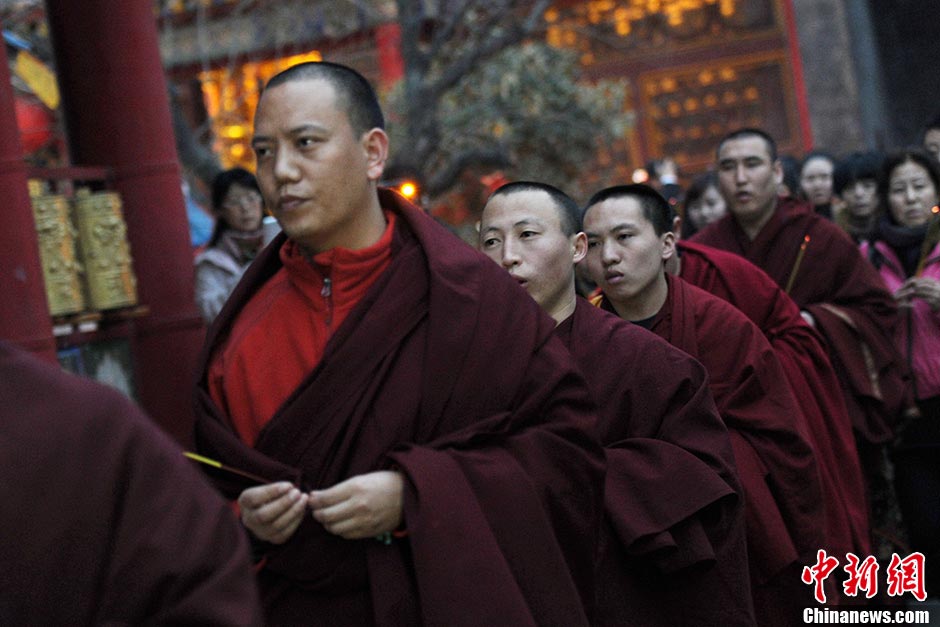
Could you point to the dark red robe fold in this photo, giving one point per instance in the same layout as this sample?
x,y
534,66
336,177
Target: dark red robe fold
x,y
853,310
447,370
673,547
812,379
104,522
785,520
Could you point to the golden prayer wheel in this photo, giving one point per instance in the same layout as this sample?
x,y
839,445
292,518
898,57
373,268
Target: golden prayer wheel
x,y
60,267
105,250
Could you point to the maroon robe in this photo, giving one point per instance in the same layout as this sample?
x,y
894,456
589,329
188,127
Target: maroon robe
x,y
673,547
785,520
853,310
104,522
448,371
812,379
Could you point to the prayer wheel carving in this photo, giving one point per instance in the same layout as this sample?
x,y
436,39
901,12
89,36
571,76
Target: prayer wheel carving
x,y
60,266
105,250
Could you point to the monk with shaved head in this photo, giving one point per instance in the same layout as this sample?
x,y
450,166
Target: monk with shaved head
x,y
672,548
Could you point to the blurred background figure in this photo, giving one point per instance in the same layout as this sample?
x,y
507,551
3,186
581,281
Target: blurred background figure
x,y
201,224
932,138
816,181
237,203
855,182
664,177
907,255
790,186
703,204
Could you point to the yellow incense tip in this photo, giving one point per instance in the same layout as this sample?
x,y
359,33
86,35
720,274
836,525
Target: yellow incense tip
x,y
202,460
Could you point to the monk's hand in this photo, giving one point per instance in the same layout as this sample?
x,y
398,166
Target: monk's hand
x,y
363,506
273,512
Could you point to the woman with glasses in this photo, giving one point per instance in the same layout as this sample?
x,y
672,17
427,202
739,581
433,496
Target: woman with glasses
x,y
237,204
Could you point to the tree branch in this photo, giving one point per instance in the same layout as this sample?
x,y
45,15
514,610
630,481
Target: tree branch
x,y
443,35
410,22
475,54
193,155
445,179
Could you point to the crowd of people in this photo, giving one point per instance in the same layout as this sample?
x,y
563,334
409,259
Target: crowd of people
x,y
412,434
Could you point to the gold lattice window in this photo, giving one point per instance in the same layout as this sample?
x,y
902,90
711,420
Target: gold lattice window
x,y
231,96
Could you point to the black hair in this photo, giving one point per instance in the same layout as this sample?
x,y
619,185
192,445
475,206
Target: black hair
x,y
791,173
655,208
750,132
698,188
569,214
932,123
693,194
857,166
352,88
222,182
225,179
816,154
915,155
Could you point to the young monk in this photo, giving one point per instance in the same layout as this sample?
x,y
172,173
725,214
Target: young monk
x,y
810,374
431,460
629,239
673,545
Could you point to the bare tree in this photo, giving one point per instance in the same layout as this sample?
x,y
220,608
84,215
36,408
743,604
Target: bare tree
x,y
442,42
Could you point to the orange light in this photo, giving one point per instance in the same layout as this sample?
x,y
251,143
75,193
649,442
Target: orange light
x,y
408,189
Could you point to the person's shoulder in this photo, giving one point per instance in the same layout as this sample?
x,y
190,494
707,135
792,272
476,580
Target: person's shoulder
x,y
24,372
714,231
64,412
449,258
597,328
605,343
609,329
712,307
212,259
462,276
802,216
711,255
734,267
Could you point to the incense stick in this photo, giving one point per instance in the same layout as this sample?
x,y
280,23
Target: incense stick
x,y
796,264
219,465
930,240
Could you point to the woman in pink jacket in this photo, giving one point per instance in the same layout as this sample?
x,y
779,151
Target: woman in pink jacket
x,y
906,252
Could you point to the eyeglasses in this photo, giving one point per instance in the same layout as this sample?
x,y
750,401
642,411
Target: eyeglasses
x,y
248,199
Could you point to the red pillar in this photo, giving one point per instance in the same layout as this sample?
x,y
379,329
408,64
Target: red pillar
x,y
796,62
24,314
117,114
391,65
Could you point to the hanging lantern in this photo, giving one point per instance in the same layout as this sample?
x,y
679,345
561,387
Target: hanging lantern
x,y
35,122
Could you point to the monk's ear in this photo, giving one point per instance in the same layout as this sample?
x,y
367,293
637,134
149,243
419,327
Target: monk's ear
x,y
375,145
579,247
668,240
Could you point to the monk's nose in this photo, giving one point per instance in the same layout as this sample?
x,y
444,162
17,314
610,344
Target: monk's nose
x,y
609,254
510,258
